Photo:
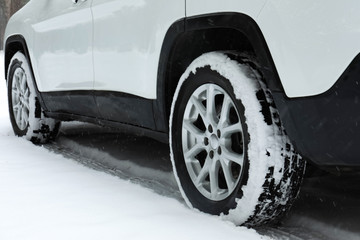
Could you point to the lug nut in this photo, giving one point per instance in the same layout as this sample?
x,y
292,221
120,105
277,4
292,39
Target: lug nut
x,y
210,129
218,133
206,141
219,150
211,154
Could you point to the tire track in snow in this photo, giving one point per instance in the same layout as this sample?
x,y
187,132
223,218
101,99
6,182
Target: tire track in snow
x,y
159,181
146,162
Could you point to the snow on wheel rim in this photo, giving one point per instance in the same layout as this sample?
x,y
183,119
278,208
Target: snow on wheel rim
x,y
20,98
212,142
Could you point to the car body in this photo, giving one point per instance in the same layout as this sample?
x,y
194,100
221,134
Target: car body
x,y
118,63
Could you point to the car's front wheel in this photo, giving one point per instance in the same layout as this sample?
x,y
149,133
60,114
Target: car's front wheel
x,y
230,153
26,115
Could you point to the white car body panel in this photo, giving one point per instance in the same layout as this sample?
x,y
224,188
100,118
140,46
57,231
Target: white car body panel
x,y
198,7
128,36
63,46
311,42
308,57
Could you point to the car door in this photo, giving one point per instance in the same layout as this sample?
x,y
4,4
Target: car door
x,y
63,55
128,36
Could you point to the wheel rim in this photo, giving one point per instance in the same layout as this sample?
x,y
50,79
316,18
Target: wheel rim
x,y
212,142
20,94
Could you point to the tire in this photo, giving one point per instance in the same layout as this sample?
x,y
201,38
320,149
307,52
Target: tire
x,y
26,115
230,154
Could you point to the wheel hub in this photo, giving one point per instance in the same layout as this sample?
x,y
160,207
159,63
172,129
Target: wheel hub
x,y
214,142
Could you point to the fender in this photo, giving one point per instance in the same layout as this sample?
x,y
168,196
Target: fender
x,y
246,25
169,71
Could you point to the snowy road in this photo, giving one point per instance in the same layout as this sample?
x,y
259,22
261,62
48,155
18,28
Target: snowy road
x,y
327,208
93,183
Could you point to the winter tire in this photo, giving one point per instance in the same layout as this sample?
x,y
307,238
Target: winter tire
x,y
26,115
230,154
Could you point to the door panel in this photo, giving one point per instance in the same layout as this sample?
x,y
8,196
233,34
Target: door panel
x,y
63,46
128,35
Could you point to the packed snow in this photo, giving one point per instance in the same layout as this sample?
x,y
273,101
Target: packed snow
x,y
47,196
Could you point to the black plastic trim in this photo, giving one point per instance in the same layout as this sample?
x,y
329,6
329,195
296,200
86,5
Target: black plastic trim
x,y
103,105
71,102
125,127
126,108
169,44
326,128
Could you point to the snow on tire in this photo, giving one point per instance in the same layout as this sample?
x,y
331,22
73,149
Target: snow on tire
x,y
230,154
26,115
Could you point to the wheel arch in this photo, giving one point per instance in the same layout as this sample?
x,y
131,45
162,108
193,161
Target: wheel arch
x,y
14,44
205,33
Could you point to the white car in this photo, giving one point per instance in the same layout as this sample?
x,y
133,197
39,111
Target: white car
x,y
219,80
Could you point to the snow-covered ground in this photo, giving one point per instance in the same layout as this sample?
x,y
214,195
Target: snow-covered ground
x,y
93,183
44,195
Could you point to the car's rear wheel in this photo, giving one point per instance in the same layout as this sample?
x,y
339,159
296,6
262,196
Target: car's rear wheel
x,y
26,115
208,135
230,153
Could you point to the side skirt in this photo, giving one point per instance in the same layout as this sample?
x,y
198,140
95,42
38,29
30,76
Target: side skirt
x,y
123,111
123,127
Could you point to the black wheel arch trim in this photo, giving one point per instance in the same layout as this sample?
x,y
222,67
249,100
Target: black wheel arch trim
x,y
230,20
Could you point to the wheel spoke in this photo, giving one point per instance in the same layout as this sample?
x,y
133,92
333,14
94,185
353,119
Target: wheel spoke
x,y
214,179
203,173
226,131
15,93
27,93
199,108
18,115
210,104
17,82
193,130
22,118
232,157
225,109
17,107
26,105
26,98
23,82
16,101
197,148
230,181
25,116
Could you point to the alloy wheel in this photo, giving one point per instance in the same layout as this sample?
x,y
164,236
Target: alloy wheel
x,y
212,142
20,94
